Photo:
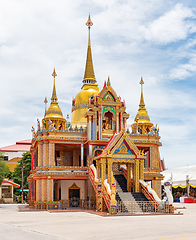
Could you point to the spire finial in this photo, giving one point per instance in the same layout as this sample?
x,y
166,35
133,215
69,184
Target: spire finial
x,y
142,104
108,82
89,76
54,97
45,101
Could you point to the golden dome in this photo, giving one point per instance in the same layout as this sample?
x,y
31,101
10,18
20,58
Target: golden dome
x,y
81,104
142,116
54,111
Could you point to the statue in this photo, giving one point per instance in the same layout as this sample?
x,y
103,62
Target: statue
x,y
44,124
51,125
38,125
106,124
33,131
167,190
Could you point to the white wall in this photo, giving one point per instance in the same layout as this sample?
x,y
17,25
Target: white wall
x,y
13,154
66,184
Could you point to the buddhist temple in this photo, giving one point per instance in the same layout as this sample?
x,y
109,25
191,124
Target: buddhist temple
x,y
94,160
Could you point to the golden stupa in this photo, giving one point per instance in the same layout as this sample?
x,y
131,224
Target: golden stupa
x,y
54,112
89,88
142,119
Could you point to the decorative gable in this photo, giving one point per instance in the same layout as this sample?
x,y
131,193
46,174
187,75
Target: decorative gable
x,y
108,97
123,149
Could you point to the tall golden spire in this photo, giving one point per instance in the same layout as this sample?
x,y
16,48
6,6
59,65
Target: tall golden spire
x,y
89,76
54,97
142,104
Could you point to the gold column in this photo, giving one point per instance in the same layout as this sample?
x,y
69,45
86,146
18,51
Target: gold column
x,y
95,126
141,169
38,190
51,154
100,125
40,154
110,173
136,173
85,189
98,169
129,177
45,154
44,190
49,189
103,169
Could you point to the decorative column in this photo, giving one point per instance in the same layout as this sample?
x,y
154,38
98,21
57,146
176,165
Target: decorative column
x,y
38,190
100,125
103,169
121,121
129,177
44,190
110,172
141,169
136,175
95,126
90,130
40,154
49,189
117,121
82,155
44,154
98,169
51,154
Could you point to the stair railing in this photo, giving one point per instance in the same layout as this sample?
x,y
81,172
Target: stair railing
x,y
93,177
151,195
109,195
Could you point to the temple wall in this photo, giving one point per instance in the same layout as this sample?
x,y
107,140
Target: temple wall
x,y
68,158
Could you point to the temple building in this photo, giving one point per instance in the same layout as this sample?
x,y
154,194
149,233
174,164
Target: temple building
x,y
94,158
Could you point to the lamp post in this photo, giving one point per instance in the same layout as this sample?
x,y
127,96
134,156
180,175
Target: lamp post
x,y
22,179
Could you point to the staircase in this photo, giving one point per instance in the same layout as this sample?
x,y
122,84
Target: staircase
x,y
124,198
139,197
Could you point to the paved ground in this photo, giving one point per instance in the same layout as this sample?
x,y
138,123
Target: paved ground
x,y
81,225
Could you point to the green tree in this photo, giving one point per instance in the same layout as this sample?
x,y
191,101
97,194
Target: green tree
x,y
4,169
26,159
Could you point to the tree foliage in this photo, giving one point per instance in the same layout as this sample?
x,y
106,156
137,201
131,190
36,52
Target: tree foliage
x,y
26,158
4,169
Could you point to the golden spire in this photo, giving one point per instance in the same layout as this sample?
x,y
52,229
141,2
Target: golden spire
x,y
142,104
108,82
54,97
45,101
89,76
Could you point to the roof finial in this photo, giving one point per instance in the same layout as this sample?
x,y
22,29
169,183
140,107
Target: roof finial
x,y
142,104
45,101
54,97
108,82
89,76
89,23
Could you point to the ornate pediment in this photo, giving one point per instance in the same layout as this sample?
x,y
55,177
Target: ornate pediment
x,y
123,149
74,186
108,97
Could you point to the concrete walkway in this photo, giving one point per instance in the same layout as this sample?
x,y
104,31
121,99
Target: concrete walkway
x,y
82,225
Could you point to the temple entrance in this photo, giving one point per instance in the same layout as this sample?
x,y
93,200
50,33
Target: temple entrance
x,y
74,193
74,196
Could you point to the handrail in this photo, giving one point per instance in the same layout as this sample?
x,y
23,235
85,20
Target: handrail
x,y
150,193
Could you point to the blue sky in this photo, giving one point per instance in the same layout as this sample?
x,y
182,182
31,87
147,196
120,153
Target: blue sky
x,y
130,39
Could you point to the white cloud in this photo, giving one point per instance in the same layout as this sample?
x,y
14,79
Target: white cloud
x,y
170,27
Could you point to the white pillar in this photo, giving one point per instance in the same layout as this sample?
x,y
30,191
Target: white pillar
x,y
82,155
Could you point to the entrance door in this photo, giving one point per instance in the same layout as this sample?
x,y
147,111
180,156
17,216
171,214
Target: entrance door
x,y
74,197
74,193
